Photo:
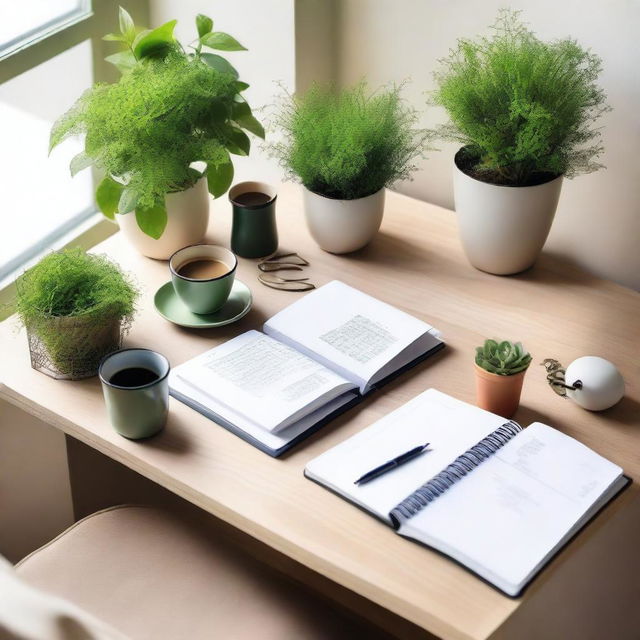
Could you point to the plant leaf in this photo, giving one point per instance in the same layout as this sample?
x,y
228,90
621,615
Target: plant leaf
x,y
219,111
220,177
150,43
222,41
243,116
108,195
219,63
152,220
251,124
79,162
128,200
123,60
204,24
241,86
126,22
237,141
114,37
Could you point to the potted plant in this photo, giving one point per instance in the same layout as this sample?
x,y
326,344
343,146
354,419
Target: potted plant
x,y
345,146
524,111
152,132
76,308
500,370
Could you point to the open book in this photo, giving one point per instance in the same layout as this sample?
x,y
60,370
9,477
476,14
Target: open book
x,y
313,360
499,499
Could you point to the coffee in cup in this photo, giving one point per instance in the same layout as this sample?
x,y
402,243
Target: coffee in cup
x,y
202,276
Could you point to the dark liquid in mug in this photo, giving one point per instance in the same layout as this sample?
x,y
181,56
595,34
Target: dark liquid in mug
x,y
133,377
252,198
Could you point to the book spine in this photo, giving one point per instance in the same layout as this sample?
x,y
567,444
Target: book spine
x,y
459,468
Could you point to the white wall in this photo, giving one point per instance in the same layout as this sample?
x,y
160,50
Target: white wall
x,y
598,219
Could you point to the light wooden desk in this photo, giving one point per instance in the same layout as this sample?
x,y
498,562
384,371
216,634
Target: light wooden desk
x,y
416,264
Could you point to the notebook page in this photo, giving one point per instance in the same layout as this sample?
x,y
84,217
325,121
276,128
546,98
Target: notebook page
x,y
238,423
515,508
267,382
347,330
451,426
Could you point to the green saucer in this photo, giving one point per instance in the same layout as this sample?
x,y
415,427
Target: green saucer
x,y
170,307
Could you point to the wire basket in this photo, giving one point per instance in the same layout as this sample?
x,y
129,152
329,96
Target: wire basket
x,y
71,347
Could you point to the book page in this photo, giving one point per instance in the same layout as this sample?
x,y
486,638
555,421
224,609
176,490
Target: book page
x,y
349,331
509,514
267,382
449,425
237,423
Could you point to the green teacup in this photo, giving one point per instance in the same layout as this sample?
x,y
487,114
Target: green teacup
x,y
135,384
202,276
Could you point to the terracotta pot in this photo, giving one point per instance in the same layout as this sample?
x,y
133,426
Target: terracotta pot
x,y
498,394
187,221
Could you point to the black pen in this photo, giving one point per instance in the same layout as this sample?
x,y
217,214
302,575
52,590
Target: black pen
x,y
392,464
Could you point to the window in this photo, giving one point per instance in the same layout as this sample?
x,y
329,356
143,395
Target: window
x,y
50,52
39,199
32,20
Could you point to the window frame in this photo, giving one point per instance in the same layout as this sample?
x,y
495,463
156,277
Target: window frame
x,y
101,18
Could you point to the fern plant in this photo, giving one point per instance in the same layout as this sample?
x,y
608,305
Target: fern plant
x,y
503,358
348,143
523,109
75,307
169,110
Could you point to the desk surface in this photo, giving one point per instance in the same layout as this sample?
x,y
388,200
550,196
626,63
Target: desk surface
x,y
416,264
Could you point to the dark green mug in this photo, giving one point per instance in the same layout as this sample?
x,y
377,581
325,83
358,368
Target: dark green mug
x,y
135,384
253,233
202,276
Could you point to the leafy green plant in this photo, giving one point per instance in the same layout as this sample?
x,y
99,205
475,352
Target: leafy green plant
x,y
348,143
76,306
523,108
169,110
502,358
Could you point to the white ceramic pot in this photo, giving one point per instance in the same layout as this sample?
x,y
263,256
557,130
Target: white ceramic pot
x,y
342,226
503,229
187,221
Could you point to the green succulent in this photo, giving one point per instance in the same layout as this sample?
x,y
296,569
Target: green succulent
x,y
502,358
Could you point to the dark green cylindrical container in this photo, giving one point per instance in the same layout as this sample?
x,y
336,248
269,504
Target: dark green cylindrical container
x,y
254,233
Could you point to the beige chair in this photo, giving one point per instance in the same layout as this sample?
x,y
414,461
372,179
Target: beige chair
x,y
149,574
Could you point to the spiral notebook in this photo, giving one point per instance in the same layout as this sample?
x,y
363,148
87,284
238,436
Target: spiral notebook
x,y
499,499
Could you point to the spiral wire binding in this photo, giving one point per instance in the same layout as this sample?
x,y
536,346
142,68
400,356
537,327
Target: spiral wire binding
x,y
459,468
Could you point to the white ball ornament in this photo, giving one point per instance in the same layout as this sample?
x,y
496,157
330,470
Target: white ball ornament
x,y
600,383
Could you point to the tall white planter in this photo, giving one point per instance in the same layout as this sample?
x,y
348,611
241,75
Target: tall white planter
x,y
503,229
342,226
187,221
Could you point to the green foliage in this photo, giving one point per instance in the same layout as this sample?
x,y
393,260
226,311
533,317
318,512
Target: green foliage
x,y
168,111
75,307
348,143
73,283
524,108
502,358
